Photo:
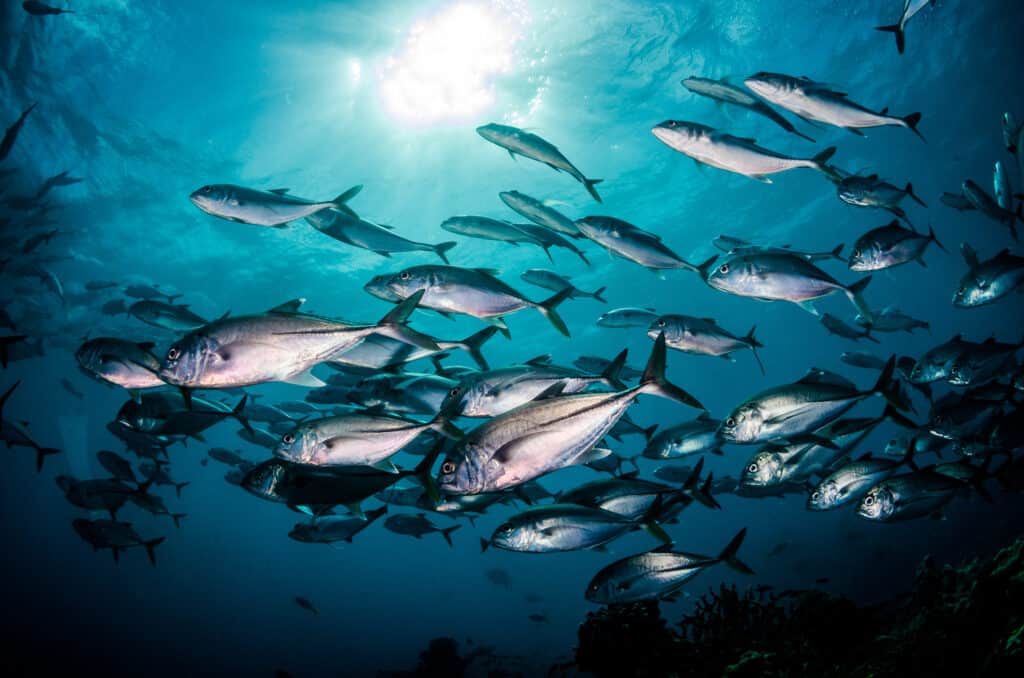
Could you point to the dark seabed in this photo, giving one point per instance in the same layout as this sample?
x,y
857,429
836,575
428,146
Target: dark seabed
x,y
128,109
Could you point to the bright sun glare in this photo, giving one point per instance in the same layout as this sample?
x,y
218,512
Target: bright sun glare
x,y
448,63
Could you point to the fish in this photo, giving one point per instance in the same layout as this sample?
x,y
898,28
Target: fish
x,y
865,360
97,285
1011,132
555,528
891,319
110,534
379,352
306,604
120,362
733,245
981,363
149,292
259,437
168,413
621,318
540,213
15,434
934,364
176,317
495,392
631,243
839,328
398,394
114,307
469,291
725,92
698,436
910,9
635,498
278,345
11,135
870,191
781,277
70,388
915,441
274,208
499,577
817,102
550,280
987,205
379,239
548,433
908,496
659,573
963,419
416,526
488,229
740,155
703,336
988,281
117,466
793,411
1001,187
549,239
154,504
528,145
355,439
849,481
226,456
106,494
330,529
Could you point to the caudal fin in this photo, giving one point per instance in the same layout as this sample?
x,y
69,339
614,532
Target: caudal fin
x,y
911,121
855,293
6,396
237,413
447,534
653,380
473,343
41,454
888,387
931,236
151,548
900,36
909,190
582,256
340,202
441,249
754,344
837,252
821,163
548,306
589,185
728,554
393,324
442,425
176,517
178,487
705,268
612,373
596,294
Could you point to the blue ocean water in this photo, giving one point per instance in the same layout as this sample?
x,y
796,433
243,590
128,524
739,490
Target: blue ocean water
x,y
146,102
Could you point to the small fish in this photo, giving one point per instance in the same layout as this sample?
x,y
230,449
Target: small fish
x,y
988,281
908,496
488,229
631,243
733,245
698,436
117,466
870,191
891,245
529,145
621,318
330,529
910,8
274,208
865,360
703,336
550,280
376,238
109,534
306,604
11,135
734,154
549,239
987,205
891,319
70,388
725,92
416,526
816,102
839,328
175,317
120,362
540,213
149,292
1001,187
851,480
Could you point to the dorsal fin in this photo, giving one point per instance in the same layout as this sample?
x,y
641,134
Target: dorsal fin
x,y
551,391
539,361
816,375
488,271
291,306
146,345
278,191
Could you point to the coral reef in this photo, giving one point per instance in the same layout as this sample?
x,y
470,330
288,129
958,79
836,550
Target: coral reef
x,y
966,621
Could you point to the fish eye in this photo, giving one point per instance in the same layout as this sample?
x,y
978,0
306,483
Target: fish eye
x,y
730,422
815,494
455,391
961,290
206,189
724,268
405,275
174,353
448,467
288,438
661,323
869,500
752,468
856,253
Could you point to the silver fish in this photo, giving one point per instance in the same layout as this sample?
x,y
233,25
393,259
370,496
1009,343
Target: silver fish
x,y
631,243
908,496
721,90
734,154
175,317
865,360
273,208
703,336
987,205
849,481
555,528
124,363
870,191
910,8
988,281
733,245
982,363
549,239
891,319
540,213
488,229
935,364
891,245
1001,187
698,436
547,434
377,238
839,328
550,280
622,318
528,145
816,102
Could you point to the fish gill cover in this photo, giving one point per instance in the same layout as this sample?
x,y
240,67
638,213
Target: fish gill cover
x,y
332,328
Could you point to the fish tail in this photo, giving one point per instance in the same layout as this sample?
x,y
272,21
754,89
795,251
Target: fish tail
x,y
654,381
41,454
473,343
151,548
728,554
754,344
855,293
423,469
447,534
820,161
889,388
931,236
582,256
176,517
442,425
837,252
911,122
393,324
900,35
484,544
548,306
705,268
237,413
178,487
611,373
909,190
339,203
589,185
441,249
6,396
897,417
596,294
